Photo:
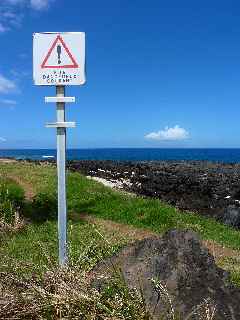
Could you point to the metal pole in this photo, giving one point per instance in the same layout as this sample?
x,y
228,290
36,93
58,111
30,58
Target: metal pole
x,y
61,168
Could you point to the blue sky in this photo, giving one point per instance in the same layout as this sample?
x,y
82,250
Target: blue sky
x,y
159,73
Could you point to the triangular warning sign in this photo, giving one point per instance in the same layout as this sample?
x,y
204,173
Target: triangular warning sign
x,y
59,56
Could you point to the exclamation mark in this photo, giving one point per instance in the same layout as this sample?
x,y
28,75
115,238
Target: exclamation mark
x,y
59,50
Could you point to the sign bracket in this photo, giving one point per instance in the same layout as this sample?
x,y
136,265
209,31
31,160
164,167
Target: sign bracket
x,y
60,99
61,124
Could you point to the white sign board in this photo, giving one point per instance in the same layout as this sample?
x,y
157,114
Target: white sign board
x,y
59,58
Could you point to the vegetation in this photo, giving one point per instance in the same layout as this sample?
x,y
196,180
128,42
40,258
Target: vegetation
x,y
87,196
65,294
11,202
39,289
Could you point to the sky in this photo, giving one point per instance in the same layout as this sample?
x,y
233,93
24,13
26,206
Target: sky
x,y
158,74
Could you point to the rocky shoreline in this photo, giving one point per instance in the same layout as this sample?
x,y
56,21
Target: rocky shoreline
x,y
210,189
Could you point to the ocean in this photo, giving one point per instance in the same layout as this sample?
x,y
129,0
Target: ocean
x,y
129,154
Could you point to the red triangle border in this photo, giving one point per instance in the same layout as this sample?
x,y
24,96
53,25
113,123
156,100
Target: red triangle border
x,y
74,65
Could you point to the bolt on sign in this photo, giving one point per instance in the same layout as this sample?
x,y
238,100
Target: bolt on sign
x,y
59,58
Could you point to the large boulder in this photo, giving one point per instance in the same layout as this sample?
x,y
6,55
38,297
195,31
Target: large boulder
x,y
174,271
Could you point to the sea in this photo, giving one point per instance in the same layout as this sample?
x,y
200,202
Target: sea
x,y
129,154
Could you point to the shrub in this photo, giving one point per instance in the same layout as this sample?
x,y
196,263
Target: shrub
x,y
11,201
44,207
11,191
7,212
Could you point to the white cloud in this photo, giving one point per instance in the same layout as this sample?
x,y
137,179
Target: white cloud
x,y
39,4
7,85
9,102
12,12
14,2
3,28
11,15
2,139
170,134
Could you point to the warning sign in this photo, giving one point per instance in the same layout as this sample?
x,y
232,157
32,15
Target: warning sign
x,y
59,58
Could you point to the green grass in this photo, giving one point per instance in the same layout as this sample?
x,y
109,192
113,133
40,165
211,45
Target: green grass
x,y
11,200
28,266
87,196
233,266
35,248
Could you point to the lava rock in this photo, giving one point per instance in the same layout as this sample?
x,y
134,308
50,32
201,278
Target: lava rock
x,y
200,186
231,216
174,270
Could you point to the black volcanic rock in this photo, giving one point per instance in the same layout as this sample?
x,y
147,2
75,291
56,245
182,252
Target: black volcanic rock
x,y
231,216
184,272
211,189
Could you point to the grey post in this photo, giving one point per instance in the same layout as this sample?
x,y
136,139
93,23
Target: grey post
x,y
61,126
61,168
